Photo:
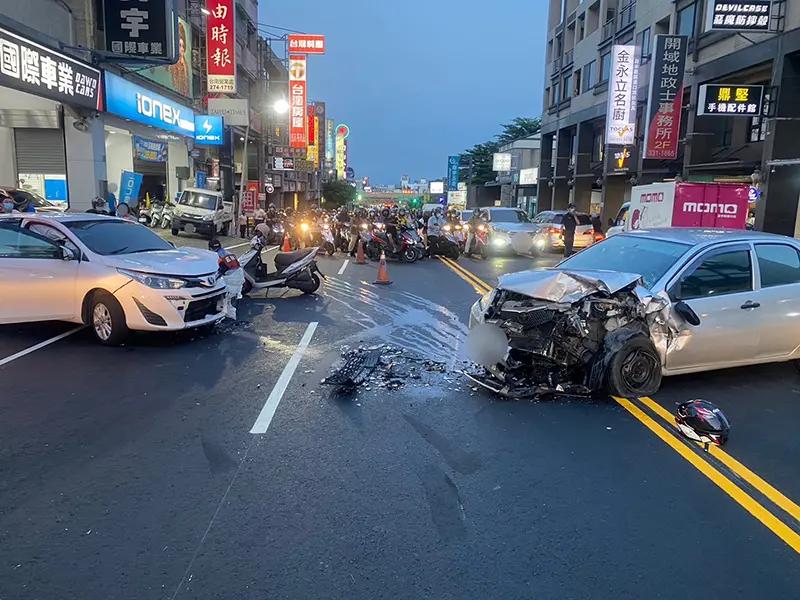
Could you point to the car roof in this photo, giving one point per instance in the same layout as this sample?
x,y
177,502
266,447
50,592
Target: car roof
x,y
697,236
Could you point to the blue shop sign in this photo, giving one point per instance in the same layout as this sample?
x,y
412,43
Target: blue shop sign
x,y
131,101
208,130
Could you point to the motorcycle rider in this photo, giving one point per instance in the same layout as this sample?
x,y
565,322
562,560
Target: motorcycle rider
x,y
474,222
389,221
435,224
355,229
229,269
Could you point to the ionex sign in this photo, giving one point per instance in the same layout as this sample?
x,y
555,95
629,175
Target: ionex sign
x,y
208,130
131,101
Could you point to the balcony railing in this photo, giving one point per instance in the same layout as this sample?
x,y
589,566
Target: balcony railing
x,y
627,16
608,31
569,58
556,66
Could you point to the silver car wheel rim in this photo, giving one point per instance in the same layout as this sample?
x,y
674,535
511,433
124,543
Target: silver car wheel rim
x,y
101,319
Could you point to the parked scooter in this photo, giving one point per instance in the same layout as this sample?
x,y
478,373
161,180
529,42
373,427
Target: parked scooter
x,y
156,208
166,216
296,270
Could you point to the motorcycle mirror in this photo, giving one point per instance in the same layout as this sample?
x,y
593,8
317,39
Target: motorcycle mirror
x,y
687,313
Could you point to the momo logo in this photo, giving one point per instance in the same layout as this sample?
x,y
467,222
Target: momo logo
x,y
706,207
651,197
155,109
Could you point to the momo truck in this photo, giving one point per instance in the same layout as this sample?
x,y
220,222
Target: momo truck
x,y
684,204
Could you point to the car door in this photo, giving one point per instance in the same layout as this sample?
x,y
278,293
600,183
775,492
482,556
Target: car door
x,y
779,297
719,286
36,282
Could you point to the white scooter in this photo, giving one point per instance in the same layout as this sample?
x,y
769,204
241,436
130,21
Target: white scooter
x,y
297,270
166,216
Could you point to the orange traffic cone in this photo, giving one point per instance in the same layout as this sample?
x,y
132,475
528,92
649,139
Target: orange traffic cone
x,y
383,274
287,247
360,260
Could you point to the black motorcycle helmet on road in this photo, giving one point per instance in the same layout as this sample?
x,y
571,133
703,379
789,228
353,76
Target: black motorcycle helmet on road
x,y
702,421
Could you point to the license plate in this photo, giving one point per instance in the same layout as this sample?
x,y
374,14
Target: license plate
x,y
189,228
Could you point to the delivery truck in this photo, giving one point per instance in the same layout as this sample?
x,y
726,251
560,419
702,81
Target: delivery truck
x,y
684,204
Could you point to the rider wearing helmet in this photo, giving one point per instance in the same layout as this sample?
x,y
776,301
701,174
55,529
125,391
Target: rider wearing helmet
x,y
476,220
226,260
435,223
390,222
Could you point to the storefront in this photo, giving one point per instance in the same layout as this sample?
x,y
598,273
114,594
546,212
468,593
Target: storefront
x,y
47,103
149,134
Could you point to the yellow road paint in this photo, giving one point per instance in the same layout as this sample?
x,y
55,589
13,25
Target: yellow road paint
x,y
740,496
734,465
480,286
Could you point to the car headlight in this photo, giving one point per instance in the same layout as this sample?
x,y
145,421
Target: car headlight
x,y
208,217
501,239
157,282
304,226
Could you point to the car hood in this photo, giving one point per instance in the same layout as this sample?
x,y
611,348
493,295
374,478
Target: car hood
x,y
189,262
557,285
514,227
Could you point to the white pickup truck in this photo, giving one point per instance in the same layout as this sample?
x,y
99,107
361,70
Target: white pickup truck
x,y
202,211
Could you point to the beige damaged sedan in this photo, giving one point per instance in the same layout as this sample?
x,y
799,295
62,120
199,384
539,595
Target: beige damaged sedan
x,y
622,313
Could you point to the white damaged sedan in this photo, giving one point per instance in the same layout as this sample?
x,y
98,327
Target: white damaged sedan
x,y
111,274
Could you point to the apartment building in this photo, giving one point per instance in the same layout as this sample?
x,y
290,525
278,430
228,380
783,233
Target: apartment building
x,y
577,164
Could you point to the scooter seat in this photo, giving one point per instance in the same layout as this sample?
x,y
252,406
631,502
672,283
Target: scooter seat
x,y
284,259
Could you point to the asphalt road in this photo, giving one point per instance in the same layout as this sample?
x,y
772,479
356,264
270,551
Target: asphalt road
x,y
133,472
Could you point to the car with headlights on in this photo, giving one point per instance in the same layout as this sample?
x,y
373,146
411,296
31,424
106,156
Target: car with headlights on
x,y
646,303
549,234
108,273
202,211
504,224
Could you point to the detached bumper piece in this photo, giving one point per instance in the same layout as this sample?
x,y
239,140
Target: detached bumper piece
x,y
356,369
526,389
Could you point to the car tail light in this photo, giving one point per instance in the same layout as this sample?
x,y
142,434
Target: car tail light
x,y
599,237
555,230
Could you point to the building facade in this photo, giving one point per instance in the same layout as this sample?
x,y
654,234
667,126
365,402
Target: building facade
x,y
578,165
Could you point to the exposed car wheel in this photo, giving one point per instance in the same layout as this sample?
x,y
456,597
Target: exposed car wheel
x,y
247,287
175,231
107,319
635,369
311,287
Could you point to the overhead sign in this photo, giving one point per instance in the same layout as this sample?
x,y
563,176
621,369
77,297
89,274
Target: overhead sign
x,y
306,44
453,163
754,194
141,29
131,101
622,87
280,163
730,100
221,46
209,130
752,15
235,111
437,187
330,142
620,159
343,130
321,131
31,67
501,161
457,199
665,97
150,150
529,176
297,91
341,155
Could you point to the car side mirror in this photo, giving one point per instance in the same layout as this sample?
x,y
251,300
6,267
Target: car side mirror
x,y
66,253
687,313
172,244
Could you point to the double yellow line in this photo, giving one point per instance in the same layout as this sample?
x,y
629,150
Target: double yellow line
x,y
666,431
481,287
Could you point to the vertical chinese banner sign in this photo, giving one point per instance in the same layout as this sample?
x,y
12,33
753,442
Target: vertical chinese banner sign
x,y
221,39
665,97
312,150
297,92
622,88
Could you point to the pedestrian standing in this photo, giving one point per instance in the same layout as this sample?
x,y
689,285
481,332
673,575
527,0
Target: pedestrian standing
x,y
242,225
568,225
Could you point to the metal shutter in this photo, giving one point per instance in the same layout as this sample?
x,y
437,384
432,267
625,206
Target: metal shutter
x,y
40,151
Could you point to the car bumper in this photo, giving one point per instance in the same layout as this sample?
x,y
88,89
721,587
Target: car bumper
x,y
147,309
193,225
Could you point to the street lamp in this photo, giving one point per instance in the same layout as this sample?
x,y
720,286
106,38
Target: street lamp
x,y
280,107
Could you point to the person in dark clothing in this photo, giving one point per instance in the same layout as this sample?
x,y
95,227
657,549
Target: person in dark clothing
x,y
597,224
568,225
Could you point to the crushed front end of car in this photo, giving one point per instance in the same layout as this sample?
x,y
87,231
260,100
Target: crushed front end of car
x,y
572,332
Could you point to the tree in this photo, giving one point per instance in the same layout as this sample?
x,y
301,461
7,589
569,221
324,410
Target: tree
x,y
519,128
338,193
481,156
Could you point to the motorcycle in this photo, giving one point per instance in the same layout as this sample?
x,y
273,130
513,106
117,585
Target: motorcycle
x,y
342,237
156,208
166,216
275,236
297,270
460,234
447,245
480,242
379,243
328,244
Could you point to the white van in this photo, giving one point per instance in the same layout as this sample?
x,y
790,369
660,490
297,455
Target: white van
x,y
202,211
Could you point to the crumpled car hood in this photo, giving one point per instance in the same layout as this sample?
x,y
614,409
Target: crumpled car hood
x,y
557,285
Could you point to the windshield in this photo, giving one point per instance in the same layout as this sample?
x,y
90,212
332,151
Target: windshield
x,y
509,216
110,236
33,199
629,254
198,200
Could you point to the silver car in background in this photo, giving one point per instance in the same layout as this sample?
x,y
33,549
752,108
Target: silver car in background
x,y
549,231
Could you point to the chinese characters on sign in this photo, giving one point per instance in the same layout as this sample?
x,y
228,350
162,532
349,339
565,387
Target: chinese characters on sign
x,y
453,163
31,67
730,100
149,150
221,46
341,153
307,44
665,97
622,87
280,163
330,143
746,16
298,102
140,29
